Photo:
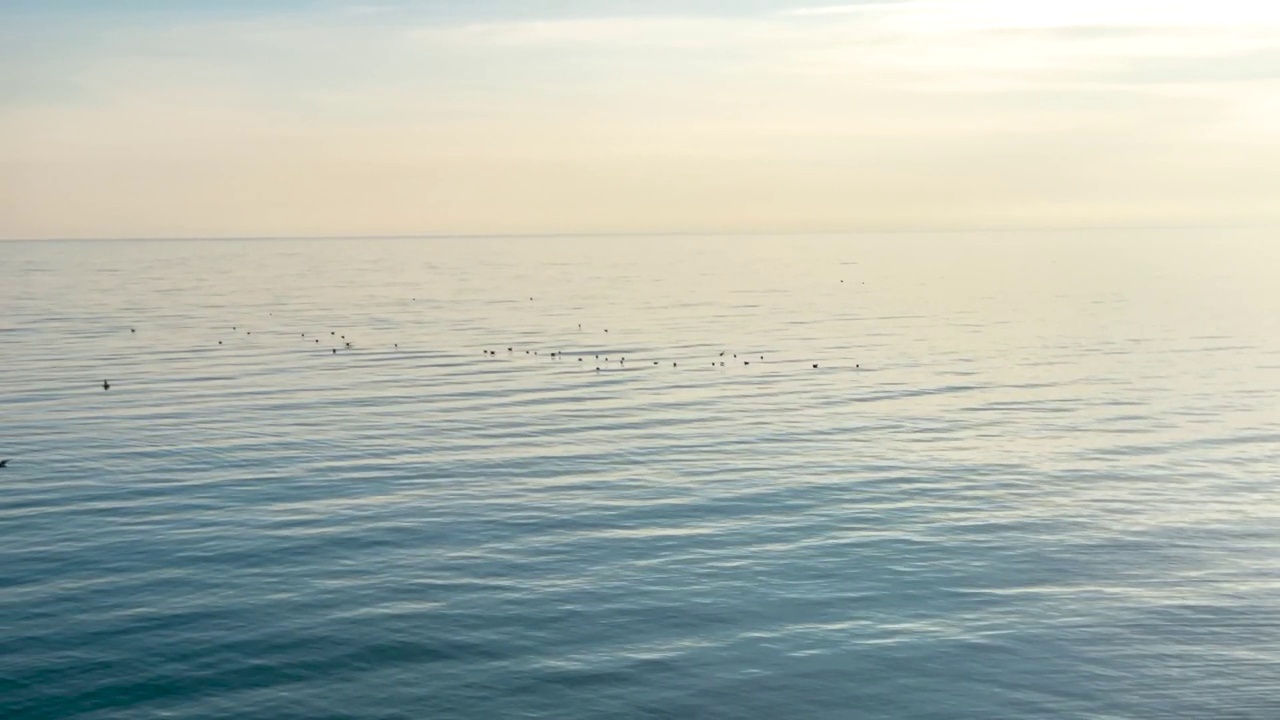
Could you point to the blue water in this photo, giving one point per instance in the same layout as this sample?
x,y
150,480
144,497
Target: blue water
x,y
1034,475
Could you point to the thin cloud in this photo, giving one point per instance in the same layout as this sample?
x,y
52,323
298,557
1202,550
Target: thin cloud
x,y
887,114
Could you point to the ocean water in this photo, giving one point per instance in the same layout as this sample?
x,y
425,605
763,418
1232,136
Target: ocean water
x,y
1034,475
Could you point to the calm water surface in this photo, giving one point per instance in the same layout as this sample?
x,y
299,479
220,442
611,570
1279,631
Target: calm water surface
x,y
1033,476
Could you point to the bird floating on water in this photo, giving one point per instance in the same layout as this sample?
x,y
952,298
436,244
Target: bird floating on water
x,y
4,463
106,385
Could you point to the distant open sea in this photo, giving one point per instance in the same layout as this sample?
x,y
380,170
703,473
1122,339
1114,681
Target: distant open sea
x,y
1033,475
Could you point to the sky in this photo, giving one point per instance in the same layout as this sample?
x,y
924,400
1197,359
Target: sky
x,y
213,118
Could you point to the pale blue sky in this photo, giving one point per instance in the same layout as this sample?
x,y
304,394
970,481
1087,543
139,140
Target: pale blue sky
x,y
326,117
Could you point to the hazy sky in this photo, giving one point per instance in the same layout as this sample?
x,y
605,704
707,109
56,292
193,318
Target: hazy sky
x,y
324,117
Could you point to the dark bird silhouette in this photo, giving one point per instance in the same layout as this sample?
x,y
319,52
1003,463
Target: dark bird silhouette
x,y
132,330
106,385
335,350
4,463
746,362
815,365
219,342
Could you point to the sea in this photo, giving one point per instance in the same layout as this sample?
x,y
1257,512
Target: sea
x,y
969,475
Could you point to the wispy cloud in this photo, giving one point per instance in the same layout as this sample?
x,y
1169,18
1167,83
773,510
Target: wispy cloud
x,y
920,112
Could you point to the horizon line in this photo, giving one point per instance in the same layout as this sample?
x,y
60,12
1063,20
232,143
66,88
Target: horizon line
x,y
625,234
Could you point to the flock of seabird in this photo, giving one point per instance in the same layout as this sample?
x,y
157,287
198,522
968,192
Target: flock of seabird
x,y
556,355
511,350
